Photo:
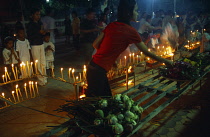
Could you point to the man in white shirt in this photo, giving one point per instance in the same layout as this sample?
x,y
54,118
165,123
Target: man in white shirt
x,y
49,24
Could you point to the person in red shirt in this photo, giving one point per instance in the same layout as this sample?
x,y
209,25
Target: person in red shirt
x,y
110,44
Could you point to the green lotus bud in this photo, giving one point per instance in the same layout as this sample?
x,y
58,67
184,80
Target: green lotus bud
x,y
125,98
98,122
117,97
141,109
99,113
128,104
120,116
113,120
118,129
129,114
103,103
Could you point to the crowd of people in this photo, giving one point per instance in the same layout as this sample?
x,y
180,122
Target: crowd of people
x,y
89,32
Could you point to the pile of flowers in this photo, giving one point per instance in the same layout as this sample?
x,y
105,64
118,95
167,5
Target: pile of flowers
x,y
187,68
113,116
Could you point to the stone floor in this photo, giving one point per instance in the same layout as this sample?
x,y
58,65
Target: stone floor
x,y
186,117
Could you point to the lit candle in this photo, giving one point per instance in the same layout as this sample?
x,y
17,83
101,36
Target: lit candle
x,y
20,93
16,90
33,91
30,89
7,74
69,74
21,69
3,78
36,68
133,57
32,70
62,73
4,97
13,71
73,75
84,72
125,61
28,69
137,61
13,92
37,90
77,78
25,90
16,72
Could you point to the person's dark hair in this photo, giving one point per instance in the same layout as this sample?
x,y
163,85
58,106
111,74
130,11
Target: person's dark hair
x,y
101,18
148,17
89,11
19,29
48,11
7,39
47,34
75,13
33,11
125,11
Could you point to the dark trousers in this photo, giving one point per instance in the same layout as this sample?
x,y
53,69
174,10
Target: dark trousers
x,y
97,80
76,41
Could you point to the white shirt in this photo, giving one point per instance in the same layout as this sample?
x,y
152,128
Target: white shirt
x,y
49,53
49,24
145,27
7,59
23,48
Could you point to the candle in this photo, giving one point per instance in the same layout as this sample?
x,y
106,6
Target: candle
x,y
62,73
13,92
25,90
36,69
84,72
33,91
37,90
30,89
28,69
3,78
137,61
125,60
120,62
77,78
80,76
133,57
7,74
4,97
31,69
69,74
24,70
13,71
16,90
53,75
20,93
16,72
73,75
21,70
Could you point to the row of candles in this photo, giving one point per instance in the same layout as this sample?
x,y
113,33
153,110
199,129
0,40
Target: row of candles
x,y
26,71
71,75
30,91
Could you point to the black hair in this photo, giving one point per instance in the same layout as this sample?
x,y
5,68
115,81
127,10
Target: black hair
x,y
47,34
89,11
101,18
19,29
106,9
7,39
125,10
33,11
75,13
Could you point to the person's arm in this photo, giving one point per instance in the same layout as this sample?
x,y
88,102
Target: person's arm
x,y
142,47
6,56
98,41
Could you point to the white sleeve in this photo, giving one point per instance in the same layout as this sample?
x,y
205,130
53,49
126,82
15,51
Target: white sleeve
x,y
52,46
6,55
17,47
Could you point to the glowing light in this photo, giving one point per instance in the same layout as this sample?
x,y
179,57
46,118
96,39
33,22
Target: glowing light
x,y
82,96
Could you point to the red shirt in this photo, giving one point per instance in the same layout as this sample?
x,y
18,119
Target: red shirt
x,y
117,37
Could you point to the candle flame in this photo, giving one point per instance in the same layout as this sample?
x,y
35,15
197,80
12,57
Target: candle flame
x,y
129,69
125,57
5,68
84,66
77,78
133,54
73,70
130,55
31,63
2,94
82,96
36,83
36,61
61,69
13,92
16,86
32,82
12,65
69,69
29,82
129,82
2,76
25,85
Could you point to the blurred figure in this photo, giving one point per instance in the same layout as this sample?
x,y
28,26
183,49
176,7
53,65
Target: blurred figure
x,y
68,29
49,23
191,21
157,21
89,32
75,30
